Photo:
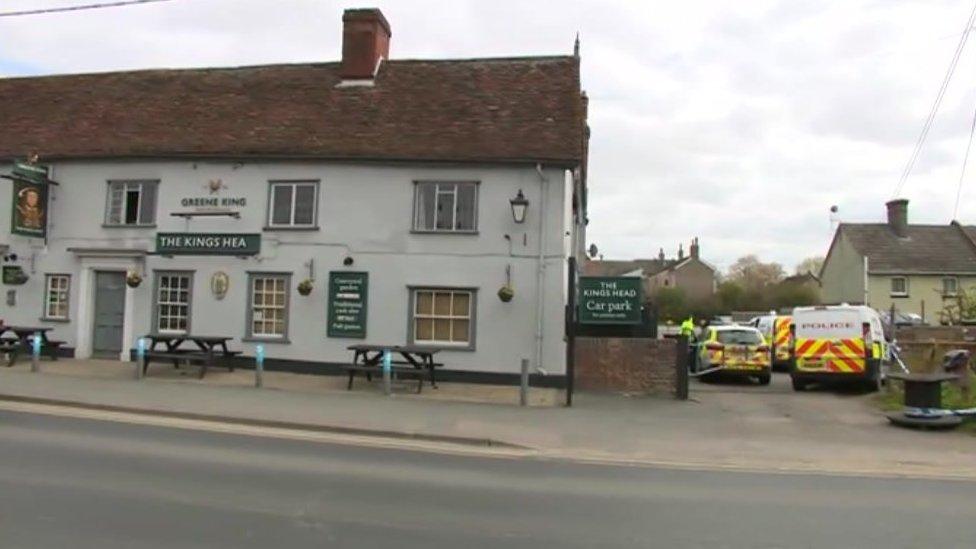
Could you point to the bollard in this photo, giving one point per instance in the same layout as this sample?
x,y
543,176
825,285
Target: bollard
x,y
524,389
140,357
36,352
387,367
259,366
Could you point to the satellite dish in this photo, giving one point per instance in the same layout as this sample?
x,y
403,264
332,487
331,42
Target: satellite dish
x,y
593,250
833,209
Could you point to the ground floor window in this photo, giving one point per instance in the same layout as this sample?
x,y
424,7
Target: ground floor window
x,y
268,306
443,317
56,291
173,296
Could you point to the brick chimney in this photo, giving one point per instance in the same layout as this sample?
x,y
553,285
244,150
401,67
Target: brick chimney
x,y
365,40
898,216
694,250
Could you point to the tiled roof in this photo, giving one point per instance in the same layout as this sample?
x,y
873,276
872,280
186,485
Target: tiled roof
x,y
932,249
493,110
616,268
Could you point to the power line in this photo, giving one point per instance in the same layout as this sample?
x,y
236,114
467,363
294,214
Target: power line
x,y
78,8
965,160
935,106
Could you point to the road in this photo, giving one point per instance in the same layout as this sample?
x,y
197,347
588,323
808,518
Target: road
x,y
70,482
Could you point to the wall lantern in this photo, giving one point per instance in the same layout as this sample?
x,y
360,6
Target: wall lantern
x,y
519,205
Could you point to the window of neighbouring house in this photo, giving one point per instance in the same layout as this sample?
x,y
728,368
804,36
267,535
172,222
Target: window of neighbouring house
x,y
268,306
293,204
445,207
950,286
443,317
899,286
174,292
56,292
131,203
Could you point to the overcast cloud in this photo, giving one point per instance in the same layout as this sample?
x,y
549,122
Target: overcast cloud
x,y
737,122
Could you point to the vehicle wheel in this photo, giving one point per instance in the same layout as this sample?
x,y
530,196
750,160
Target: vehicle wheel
x,y
798,384
765,379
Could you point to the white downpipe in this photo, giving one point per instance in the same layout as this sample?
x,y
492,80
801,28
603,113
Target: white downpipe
x,y
866,293
540,284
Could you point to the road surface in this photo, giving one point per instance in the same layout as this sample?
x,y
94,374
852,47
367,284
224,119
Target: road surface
x,y
69,482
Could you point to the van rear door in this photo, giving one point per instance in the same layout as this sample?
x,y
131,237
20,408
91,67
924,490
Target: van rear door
x,y
829,340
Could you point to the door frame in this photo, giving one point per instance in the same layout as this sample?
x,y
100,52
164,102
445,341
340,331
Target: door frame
x,y
125,309
86,305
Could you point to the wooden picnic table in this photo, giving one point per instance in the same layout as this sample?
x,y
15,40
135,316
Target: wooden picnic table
x,y
414,360
22,341
205,352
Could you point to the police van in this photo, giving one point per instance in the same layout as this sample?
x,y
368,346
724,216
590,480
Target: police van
x,y
837,343
776,329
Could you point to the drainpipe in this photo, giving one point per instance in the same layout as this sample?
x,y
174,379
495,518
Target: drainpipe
x,y
541,297
866,280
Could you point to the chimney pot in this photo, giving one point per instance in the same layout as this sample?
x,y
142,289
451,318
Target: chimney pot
x,y
898,216
694,248
365,40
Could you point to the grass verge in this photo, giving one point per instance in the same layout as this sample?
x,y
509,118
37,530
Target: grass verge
x,y
893,398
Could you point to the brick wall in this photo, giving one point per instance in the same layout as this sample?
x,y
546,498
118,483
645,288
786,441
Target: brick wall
x,y
627,365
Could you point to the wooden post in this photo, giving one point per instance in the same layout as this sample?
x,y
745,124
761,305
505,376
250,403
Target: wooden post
x,y
681,365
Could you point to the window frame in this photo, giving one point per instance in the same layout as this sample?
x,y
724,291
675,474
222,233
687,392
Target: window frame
x,y
415,225
157,278
469,345
45,312
891,287
252,276
270,225
955,291
140,224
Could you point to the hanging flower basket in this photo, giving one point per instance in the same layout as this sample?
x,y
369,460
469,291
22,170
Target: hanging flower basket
x,y
133,279
506,293
305,286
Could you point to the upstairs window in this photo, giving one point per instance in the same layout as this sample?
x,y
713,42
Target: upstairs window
x,y
950,286
131,203
899,286
293,204
445,207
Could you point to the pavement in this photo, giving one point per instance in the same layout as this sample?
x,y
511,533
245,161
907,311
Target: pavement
x,y
724,426
69,482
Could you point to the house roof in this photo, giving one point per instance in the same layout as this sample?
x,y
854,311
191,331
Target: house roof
x,y
934,249
650,267
477,110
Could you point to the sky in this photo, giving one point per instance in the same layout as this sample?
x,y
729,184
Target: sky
x,y
740,123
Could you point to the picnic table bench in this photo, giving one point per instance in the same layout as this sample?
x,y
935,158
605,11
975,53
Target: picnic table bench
x,y
22,339
205,353
414,361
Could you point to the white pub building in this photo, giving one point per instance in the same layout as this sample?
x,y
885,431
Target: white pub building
x,y
304,207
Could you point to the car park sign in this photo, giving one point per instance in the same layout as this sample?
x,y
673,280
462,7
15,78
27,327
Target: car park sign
x,y
610,299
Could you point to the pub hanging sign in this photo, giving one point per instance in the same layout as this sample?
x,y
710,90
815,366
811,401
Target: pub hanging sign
x,y
208,243
30,204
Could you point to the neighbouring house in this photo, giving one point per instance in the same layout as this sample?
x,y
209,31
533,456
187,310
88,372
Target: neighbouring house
x,y
695,277
426,186
913,267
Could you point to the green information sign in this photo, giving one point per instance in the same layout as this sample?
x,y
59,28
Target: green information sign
x,y
610,300
348,293
208,243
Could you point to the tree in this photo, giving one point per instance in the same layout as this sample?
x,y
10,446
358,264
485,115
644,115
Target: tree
x,y
810,265
754,275
671,304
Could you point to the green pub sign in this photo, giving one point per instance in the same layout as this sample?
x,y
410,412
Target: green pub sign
x,y
348,293
610,300
208,243
29,215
